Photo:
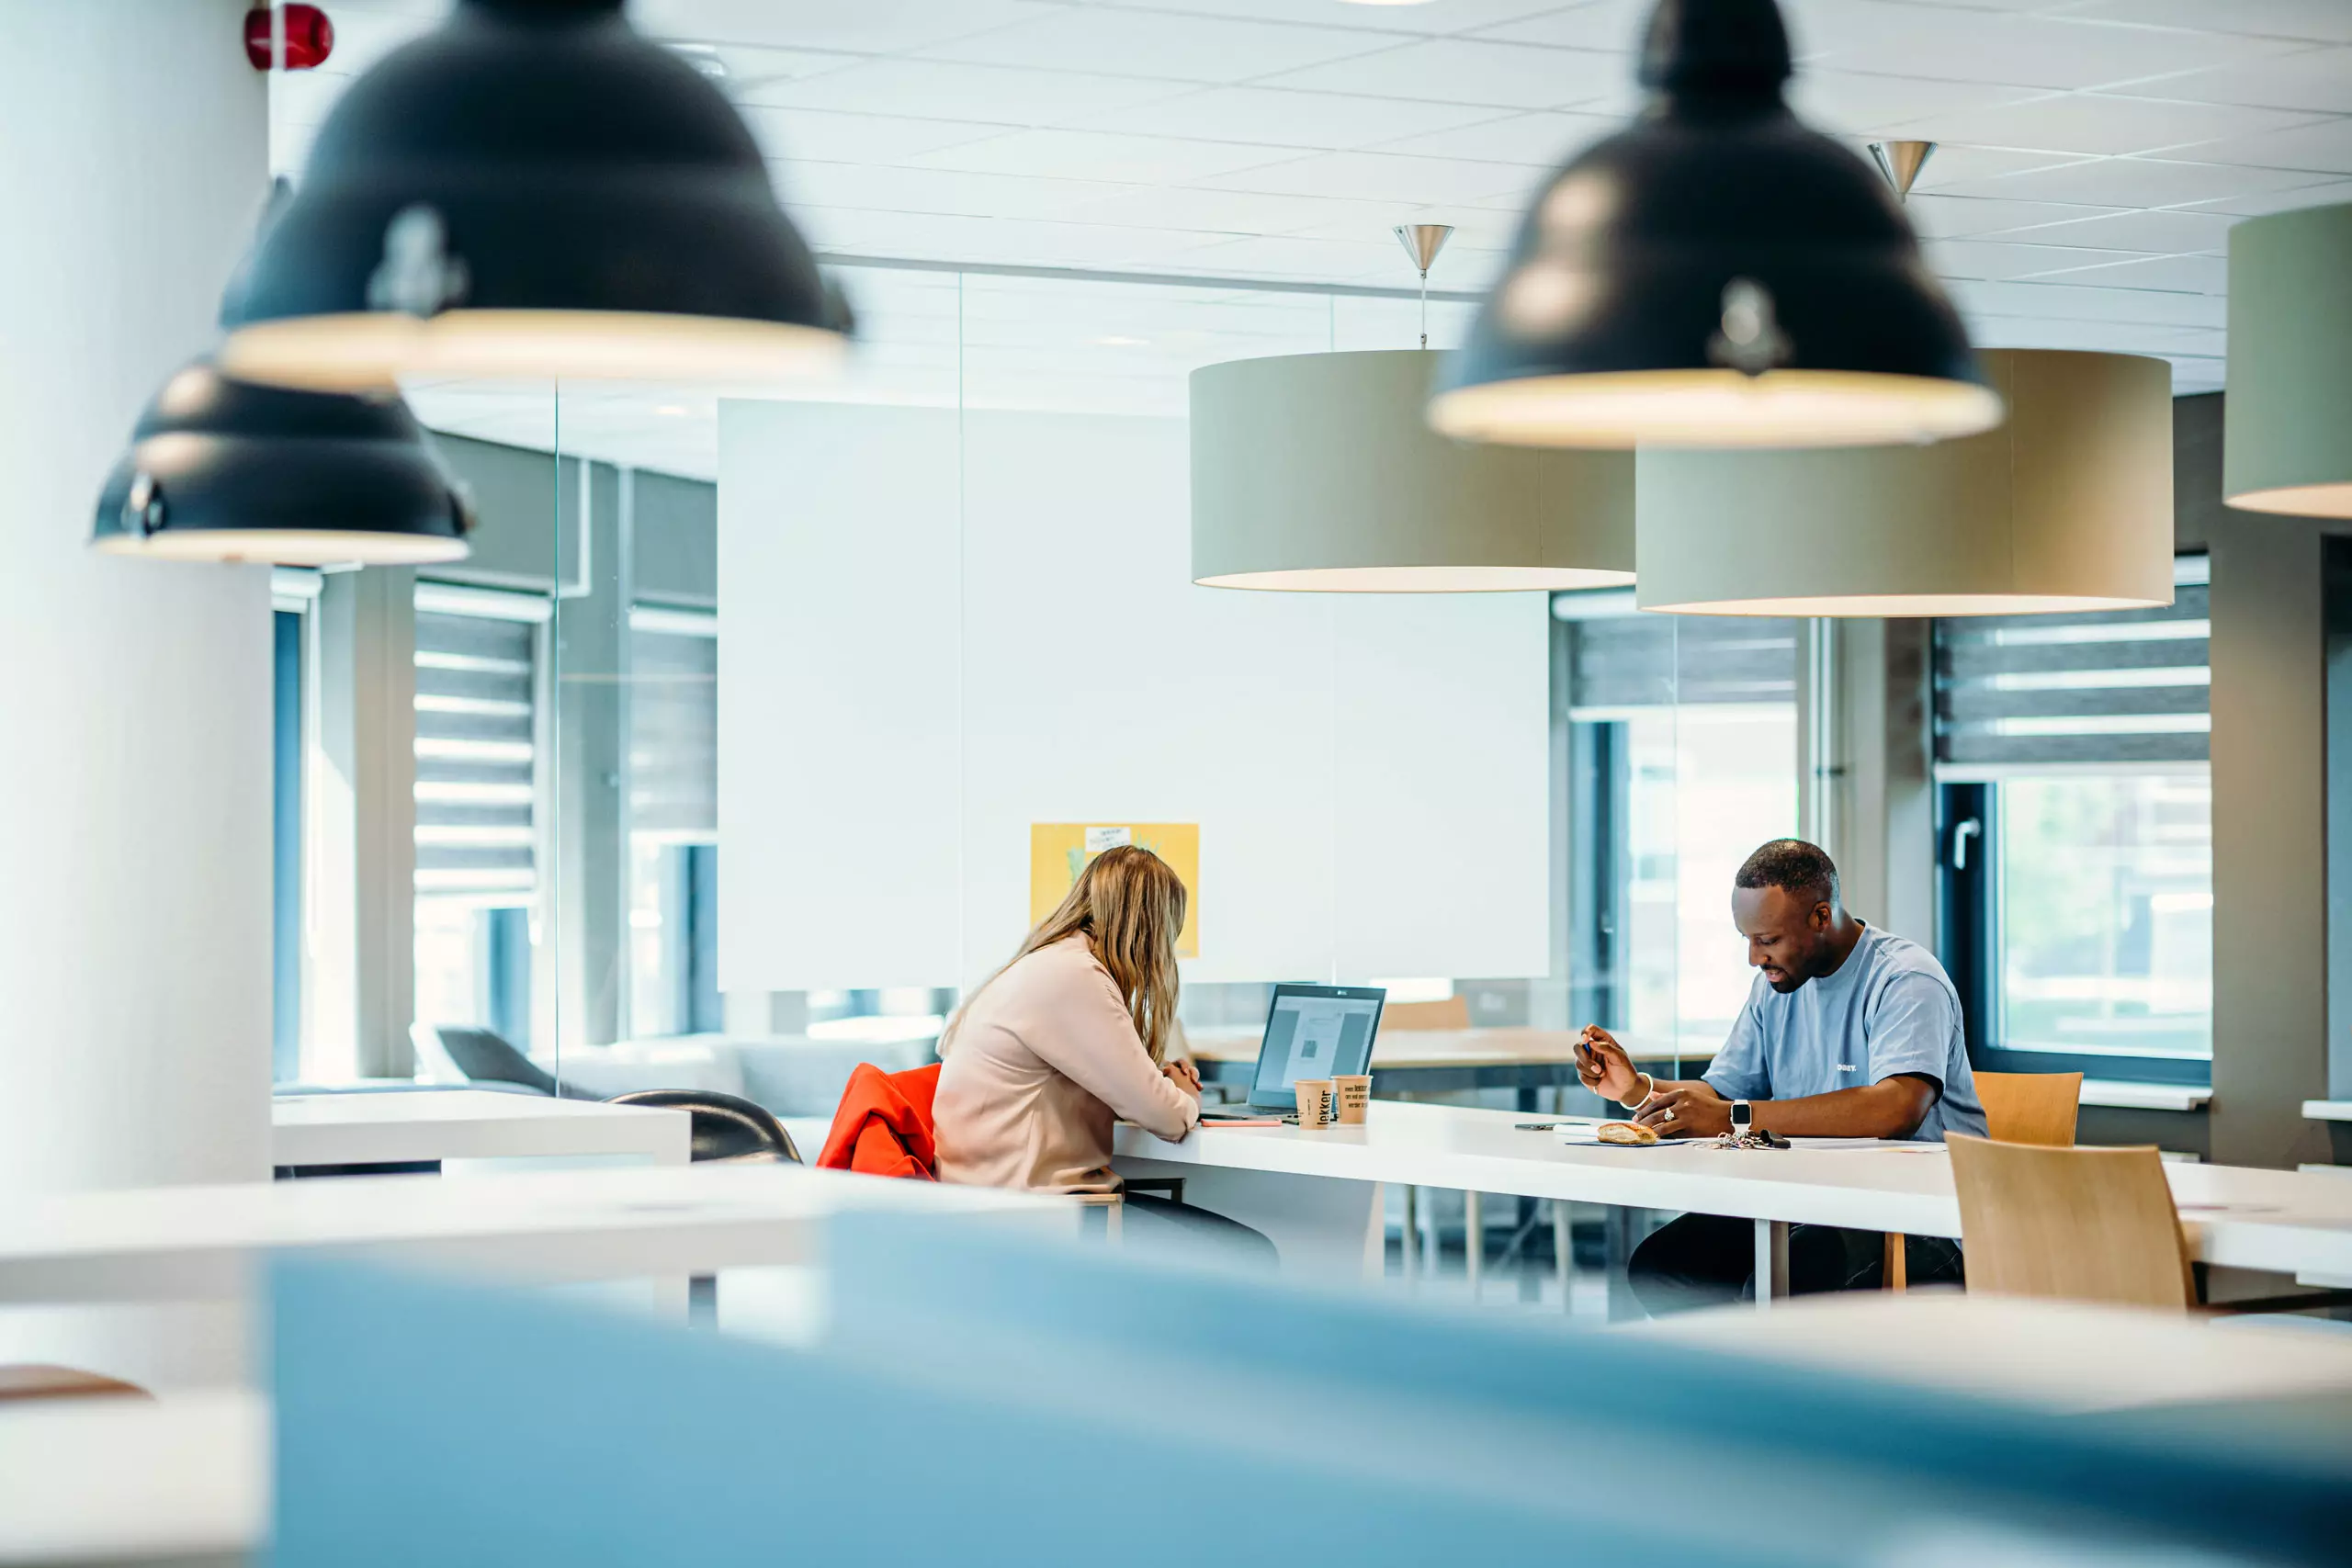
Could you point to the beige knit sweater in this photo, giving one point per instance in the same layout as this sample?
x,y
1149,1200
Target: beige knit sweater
x,y
1044,1060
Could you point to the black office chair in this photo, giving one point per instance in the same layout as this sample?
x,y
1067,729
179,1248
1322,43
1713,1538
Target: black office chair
x,y
725,1126
485,1057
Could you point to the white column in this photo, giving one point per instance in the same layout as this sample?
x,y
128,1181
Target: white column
x,y
134,696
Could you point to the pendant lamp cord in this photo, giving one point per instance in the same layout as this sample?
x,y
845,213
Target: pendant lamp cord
x,y
1425,306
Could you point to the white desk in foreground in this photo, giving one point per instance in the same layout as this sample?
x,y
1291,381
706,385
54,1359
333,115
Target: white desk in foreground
x,y
400,1128
1318,1194
203,1243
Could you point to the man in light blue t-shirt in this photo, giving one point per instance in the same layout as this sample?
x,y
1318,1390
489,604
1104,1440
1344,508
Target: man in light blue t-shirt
x,y
1848,1031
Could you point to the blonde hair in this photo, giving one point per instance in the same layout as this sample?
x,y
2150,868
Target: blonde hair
x,y
1129,905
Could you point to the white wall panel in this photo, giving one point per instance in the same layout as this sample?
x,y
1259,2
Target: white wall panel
x,y
837,697
900,699
1440,802
1100,685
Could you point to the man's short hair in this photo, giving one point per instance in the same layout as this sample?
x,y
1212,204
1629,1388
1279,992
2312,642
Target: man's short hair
x,y
1801,868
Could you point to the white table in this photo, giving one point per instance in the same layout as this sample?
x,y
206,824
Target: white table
x,y
1318,1194
397,1127
133,1480
641,1222
2064,1357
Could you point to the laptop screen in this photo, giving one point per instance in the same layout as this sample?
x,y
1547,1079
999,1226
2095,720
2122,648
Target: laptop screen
x,y
1315,1032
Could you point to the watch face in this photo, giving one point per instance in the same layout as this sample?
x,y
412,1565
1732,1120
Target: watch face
x,y
1741,1114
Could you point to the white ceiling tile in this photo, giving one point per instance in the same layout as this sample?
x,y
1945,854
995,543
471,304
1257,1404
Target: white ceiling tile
x,y
2095,123
1965,45
1962,217
2324,148
894,188
1956,166
2195,375
2097,337
1382,176
946,237
1463,71
2164,230
1859,103
1274,117
1241,213
2261,204
2050,299
1293,257
1193,49
1430,18
2003,259
2134,182
820,134
935,89
868,27
1475,229
753,71
2324,21
1538,140
1615,26
1099,155
2186,274
2314,79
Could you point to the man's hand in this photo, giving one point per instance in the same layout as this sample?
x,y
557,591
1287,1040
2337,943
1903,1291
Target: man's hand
x,y
1603,1065
1686,1111
1183,1075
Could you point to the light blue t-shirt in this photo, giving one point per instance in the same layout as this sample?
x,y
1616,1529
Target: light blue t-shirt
x,y
1890,1008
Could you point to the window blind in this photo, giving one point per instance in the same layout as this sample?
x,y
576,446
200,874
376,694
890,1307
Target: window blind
x,y
1635,660
673,729
2111,688
476,748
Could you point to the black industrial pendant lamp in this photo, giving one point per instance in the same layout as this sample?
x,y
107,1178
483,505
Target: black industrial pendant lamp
x,y
224,471
1715,275
532,189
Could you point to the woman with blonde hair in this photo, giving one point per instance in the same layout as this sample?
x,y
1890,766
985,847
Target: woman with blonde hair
x,y
1071,1035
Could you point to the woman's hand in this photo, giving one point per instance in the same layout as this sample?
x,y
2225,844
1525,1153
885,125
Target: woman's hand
x,y
1183,1075
1603,1065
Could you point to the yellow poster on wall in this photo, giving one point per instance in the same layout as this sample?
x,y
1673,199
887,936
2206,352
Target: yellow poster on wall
x,y
1060,851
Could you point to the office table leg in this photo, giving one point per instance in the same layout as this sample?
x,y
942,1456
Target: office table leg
x,y
1772,1262
1474,1241
1561,1249
1320,1227
1410,1238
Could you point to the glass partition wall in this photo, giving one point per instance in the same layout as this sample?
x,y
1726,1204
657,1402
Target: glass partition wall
x,y
538,726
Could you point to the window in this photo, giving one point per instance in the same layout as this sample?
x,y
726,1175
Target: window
x,y
477,788
292,594
673,821
1682,758
2073,760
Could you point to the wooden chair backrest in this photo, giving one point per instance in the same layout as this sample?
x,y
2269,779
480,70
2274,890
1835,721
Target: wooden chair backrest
x,y
2088,1225
2031,1107
1451,1013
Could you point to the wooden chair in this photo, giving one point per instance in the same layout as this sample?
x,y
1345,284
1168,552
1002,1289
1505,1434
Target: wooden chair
x,y
2019,1108
33,1381
1451,1013
2071,1225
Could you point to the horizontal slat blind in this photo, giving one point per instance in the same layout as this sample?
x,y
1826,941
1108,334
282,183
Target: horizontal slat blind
x,y
674,735
2107,688
475,747
1621,662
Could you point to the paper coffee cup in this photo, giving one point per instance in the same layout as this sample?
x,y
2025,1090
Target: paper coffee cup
x,y
1314,1101
1355,1098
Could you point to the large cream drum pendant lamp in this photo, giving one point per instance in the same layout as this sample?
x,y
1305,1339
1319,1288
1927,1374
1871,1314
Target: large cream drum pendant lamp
x,y
2287,423
2068,506
1317,472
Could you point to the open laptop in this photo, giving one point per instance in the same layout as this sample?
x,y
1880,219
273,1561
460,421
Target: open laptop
x,y
1312,1031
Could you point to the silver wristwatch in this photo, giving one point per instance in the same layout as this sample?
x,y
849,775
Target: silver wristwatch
x,y
1743,1116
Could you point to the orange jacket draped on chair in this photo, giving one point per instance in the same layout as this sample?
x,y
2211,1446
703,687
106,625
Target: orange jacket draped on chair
x,y
883,1127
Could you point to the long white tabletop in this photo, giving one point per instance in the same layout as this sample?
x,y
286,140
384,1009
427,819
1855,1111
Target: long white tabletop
x,y
201,1243
388,1128
2276,1219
